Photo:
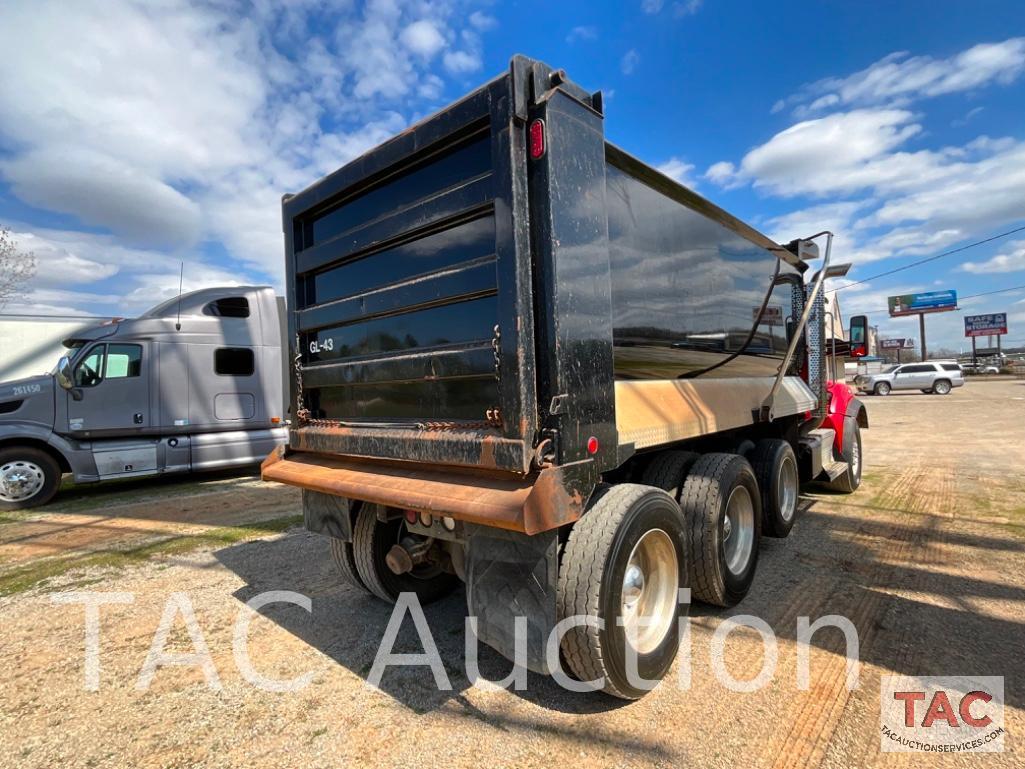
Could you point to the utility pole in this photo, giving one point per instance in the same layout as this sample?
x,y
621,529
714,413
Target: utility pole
x,y
921,330
975,361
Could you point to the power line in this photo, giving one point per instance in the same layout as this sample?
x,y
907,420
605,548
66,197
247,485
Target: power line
x,y
930,259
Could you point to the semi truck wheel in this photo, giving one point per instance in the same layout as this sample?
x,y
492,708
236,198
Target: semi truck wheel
x,y
668,471
849,481
28,477
722,506
775,469
624,563
372,540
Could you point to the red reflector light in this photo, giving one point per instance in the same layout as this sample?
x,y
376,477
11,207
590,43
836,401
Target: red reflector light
x,y
592,445
537,139
411,516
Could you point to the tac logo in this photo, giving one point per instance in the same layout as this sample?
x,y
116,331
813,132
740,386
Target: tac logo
x,y
941,714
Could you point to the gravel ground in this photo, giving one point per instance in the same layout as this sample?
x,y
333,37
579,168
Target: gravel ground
x,y
926,561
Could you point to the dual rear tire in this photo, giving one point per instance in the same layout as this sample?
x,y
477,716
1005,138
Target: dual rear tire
x,y
362,562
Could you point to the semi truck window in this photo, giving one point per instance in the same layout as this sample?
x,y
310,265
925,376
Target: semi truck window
x,y
89,370
123,360
234,361
228,307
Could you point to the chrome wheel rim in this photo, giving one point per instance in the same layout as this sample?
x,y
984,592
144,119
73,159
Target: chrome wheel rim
x,y
786,488
649,594
942,388
20,480
855,457
738,530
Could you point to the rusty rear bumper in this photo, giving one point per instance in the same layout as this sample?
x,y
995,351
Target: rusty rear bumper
x,y
523,503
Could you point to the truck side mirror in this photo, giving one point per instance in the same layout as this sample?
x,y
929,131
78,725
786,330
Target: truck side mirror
x,y
858,336
64,373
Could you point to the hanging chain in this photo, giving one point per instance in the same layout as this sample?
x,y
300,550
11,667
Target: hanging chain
x,y
302,413
494,414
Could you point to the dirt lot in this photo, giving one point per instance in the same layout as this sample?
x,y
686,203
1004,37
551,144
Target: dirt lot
x,y
926,560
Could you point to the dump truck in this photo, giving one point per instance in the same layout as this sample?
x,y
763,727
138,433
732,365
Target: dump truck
x,y
196,383
526,361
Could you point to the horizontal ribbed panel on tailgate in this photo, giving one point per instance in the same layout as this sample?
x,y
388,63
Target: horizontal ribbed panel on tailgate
x,y
397,291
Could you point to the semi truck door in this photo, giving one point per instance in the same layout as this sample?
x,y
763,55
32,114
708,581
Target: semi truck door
x,y
111,390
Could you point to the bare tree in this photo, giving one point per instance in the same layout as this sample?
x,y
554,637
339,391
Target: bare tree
x,y
16,267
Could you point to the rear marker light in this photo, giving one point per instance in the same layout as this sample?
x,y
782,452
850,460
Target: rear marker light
x,y
425,520
592,445
537,139
449,523
410,516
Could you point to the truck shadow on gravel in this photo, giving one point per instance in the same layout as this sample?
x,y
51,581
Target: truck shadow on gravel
x,y
347,625
915,612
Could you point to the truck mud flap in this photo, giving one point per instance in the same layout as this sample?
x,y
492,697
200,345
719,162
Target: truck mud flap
x,y
528,504
510,575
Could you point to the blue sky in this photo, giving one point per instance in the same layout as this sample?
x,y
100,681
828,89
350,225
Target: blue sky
x,y
137,135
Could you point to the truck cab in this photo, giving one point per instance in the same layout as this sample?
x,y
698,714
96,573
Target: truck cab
x,y
193,384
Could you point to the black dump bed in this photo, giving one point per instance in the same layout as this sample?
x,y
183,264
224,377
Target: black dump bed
x,y
461,297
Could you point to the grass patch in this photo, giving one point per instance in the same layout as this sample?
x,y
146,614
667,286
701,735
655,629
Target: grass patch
x,y
33,575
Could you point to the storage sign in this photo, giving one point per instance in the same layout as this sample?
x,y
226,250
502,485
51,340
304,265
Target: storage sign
x,y
931,301
985,325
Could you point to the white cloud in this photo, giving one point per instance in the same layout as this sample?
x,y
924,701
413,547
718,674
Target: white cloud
x,y
1012,259
686,7
187,125
679,170
652,6
830,154
103,191
462,62
721,173
483,21
423,38
629,62
899,78
59,264
582,33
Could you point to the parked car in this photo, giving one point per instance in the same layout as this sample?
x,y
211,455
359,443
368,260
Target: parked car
x,y
938,377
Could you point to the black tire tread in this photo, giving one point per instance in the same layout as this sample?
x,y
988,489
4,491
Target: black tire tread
x,y
762,460
844,483
580,579
667,471
342,554
700,500
363,531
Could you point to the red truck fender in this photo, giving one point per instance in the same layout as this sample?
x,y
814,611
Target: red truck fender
x,y
843,403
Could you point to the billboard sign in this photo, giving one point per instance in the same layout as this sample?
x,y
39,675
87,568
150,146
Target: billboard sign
x,y
896,344
985,325
930,301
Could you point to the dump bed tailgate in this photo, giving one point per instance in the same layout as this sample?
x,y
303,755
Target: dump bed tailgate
x,y
409,284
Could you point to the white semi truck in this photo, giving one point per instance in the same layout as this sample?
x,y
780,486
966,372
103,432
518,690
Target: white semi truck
x,y
193,384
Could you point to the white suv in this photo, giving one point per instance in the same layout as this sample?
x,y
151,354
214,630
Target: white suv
x,y
930,377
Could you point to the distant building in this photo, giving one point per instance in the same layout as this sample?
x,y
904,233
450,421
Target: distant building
x,y
31,344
